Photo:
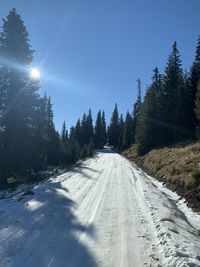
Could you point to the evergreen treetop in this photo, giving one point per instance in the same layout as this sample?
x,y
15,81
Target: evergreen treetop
x,y
14,40
197,56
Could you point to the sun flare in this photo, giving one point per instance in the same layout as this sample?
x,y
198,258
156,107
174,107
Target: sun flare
x,y
35,73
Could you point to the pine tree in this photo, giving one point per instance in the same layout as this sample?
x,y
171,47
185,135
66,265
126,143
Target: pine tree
x,y
20,99
28,138
53,139
137,108
3,87
39,140
197,102
114,129
64,134
173,100
104,133
197,56
90,148
64,145
78,132
108,134
86,131
83,133
97,130
3,90
193,80
138,103
127,137
100,135
74,152
186,110
121,126
150,130
89,128
197,109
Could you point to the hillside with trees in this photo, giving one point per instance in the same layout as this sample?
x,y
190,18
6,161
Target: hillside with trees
x,y
29,141
168,114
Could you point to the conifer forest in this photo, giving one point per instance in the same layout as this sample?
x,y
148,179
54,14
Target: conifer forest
x,y
29,141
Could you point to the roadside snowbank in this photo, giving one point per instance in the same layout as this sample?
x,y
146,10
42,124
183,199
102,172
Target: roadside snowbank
x,y
106,212
176,226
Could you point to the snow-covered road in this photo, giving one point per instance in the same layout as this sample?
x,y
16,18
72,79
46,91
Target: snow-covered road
x,y
105,213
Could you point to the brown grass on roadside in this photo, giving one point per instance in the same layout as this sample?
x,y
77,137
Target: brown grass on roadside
x,y
178,167
179,164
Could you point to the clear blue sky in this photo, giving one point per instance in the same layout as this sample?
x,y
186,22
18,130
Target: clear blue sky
x,y
91,52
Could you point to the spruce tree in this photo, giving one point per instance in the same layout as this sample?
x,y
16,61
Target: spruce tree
x,y
64,134
121,126
64,146
86,131
20,98
83,133
114,129
53,139
74,146
127,137
150,130
39,136
173,98
137,108
90,148
197,109
78,132
97,130
89,128
104,133
193,80
100,135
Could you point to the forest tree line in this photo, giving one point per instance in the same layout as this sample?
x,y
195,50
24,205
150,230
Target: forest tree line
x,y
170,111
29,141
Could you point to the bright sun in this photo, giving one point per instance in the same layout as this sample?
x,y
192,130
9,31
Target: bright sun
x,y
35,73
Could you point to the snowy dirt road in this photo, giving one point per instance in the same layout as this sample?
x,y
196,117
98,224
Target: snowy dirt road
x,y
106,212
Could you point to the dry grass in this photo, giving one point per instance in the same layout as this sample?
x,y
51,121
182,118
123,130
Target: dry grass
x,y
178,167
175,164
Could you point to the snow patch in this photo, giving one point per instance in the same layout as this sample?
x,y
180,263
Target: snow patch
x,y
33,205
176,226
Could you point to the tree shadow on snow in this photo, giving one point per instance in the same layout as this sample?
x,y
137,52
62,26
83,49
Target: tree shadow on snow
x,y
44,232
84,170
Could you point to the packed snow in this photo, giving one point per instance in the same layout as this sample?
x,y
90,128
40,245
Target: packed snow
x,y
107,212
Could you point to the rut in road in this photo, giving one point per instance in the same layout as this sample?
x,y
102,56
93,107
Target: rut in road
x,y
94,215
